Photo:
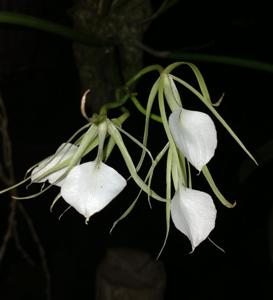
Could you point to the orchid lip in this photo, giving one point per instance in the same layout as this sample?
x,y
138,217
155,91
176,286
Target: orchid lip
x,y
195,135
89,187
193,213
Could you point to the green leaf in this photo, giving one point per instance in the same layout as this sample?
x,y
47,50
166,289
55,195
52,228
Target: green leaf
x,y
51,27
224,60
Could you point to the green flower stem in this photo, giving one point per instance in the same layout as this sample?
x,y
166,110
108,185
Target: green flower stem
x,y
143,111
115,104
120,101
199,77
102,132
143,72
52,27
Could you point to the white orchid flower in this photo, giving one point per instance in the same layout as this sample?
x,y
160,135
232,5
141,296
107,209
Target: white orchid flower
x,y
63,153
90,186
193,213
195,135
191,140
192,132
192,135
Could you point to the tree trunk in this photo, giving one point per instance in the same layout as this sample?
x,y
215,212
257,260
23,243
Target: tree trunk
x,y
127,274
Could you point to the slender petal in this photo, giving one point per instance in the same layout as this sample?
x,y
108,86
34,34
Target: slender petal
x,y
63,152
171,92
193,213
89,187
195,135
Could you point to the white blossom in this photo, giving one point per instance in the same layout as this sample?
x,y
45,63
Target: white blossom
x,y
193,213
64,152
89,187
195,135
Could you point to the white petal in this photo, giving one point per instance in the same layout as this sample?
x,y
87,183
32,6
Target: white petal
x,y
193,213
63,152
195,135
90,187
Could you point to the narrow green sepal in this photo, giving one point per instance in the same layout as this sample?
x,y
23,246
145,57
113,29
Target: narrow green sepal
x,y
168,199
54,201
126,213
33,195
15,185
214,188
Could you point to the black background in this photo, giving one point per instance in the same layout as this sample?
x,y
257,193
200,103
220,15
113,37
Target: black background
x,y
40,87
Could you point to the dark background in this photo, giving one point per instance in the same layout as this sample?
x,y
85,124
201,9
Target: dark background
x,y
40,86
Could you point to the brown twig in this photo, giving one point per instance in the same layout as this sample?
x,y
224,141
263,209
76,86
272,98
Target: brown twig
x,y
10,227
41,250
7,178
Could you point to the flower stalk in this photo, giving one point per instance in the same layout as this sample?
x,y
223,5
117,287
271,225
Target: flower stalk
x,y
191,142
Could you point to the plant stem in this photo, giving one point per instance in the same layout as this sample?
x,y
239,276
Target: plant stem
x,y
52,27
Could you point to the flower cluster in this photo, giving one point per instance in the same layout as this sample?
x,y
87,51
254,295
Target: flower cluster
x,y
191,140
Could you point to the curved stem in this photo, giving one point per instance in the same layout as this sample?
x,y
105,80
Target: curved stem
x,y
208,58
114,104
143,110
52,27
143,72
